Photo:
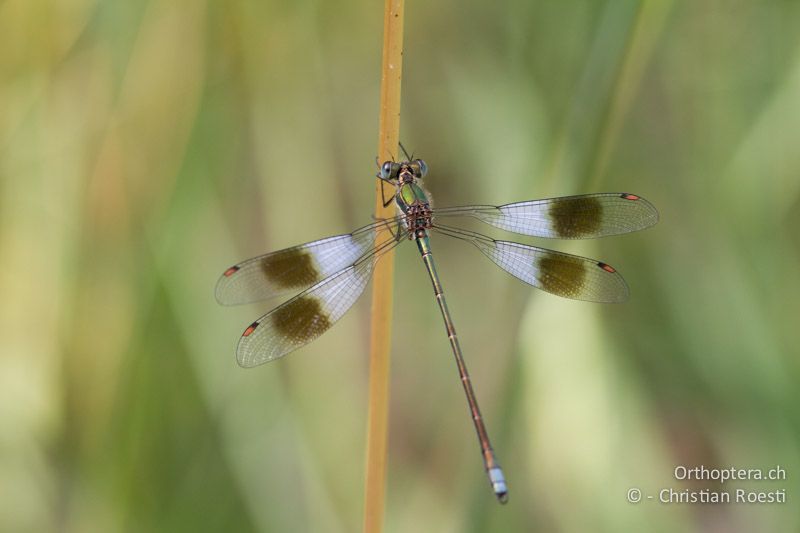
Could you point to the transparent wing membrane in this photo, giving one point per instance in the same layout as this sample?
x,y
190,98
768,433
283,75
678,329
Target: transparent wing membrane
x,y
333,272
569,217
296,268
566,275
309,314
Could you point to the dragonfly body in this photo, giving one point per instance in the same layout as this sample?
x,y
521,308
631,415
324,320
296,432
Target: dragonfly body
x,y
417,215
333,272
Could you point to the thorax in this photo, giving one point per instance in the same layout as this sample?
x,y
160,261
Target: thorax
x,y
414,204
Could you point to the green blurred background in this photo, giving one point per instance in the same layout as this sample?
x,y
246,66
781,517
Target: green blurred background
x,y
147,145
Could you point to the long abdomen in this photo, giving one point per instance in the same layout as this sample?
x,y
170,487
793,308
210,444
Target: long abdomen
x,y
495,473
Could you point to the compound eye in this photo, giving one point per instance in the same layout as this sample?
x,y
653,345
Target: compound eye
x,y
388,171
422,168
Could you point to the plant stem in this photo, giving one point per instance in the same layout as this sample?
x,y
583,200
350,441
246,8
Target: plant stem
x,y
380,339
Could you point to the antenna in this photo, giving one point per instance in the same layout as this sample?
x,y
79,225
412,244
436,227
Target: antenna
x,y
403,148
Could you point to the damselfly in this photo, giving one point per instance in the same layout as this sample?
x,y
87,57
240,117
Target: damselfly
x,y
333,272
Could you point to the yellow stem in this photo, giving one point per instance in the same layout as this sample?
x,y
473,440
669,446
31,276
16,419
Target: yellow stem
x,y
380,340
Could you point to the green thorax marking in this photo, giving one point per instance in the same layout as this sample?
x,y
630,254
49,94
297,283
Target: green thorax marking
x,y
410,194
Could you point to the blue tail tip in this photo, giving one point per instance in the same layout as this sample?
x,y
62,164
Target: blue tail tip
x,y
498,481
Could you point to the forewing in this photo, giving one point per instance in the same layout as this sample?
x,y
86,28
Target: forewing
x,y
569,217
294,269
566,275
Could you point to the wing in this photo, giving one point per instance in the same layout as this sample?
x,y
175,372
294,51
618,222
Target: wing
x,y
566,275
569,217
309,314
295,268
